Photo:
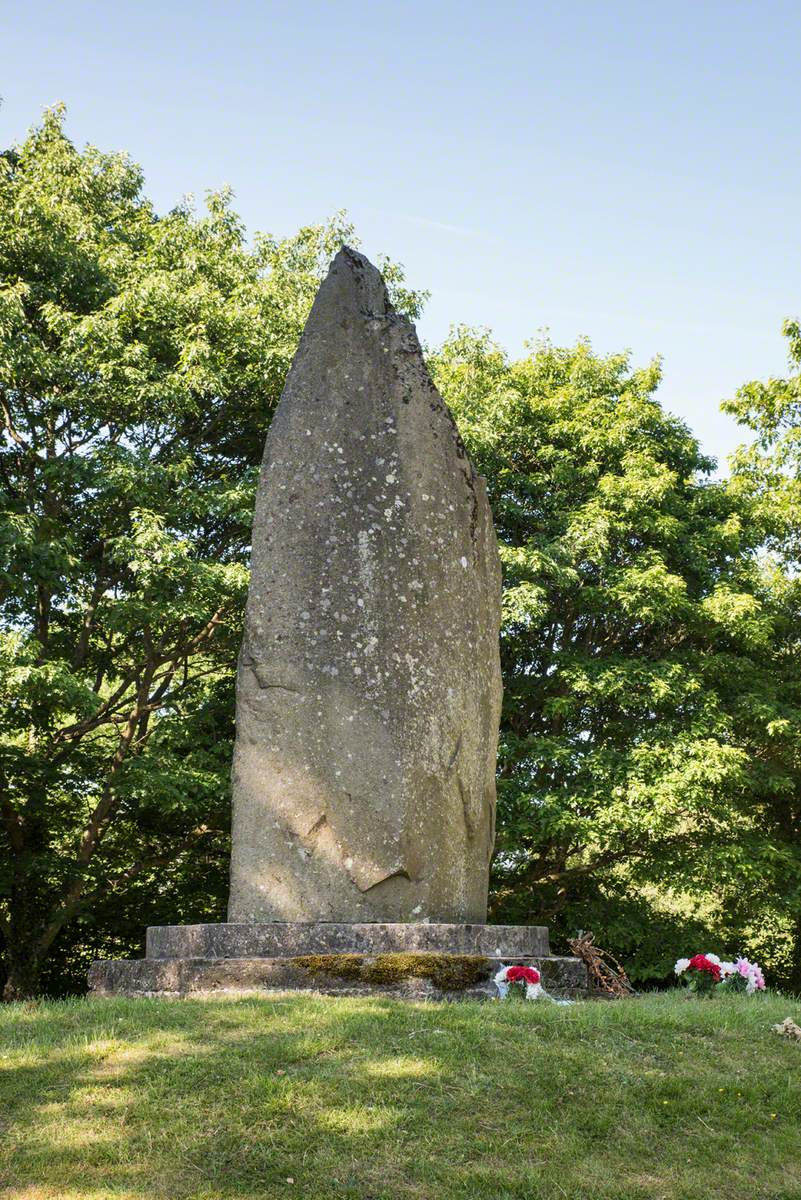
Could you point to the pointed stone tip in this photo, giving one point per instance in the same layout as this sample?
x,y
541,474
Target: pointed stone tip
x,y
348,258
353,272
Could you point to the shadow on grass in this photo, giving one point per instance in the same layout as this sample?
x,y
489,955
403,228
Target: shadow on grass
x,y
368,1099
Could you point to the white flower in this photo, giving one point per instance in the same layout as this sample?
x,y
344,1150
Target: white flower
x,y
534,991
681,965
727,969
713,958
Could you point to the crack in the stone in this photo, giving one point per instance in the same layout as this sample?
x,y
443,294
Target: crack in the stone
x,y
469,823
455,754
266,684
399,874
317,826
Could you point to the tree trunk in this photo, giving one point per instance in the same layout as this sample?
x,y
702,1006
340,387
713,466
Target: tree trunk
x,y
22,964
22,929
795,968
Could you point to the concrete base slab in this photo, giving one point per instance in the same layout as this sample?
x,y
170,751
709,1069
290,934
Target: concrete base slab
x,y
279,939
417,960
196,976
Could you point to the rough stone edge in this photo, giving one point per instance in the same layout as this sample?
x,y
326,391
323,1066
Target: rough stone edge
x,y
284,938
561,976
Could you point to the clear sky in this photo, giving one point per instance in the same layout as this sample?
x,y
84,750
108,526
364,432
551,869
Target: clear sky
x,y
629,171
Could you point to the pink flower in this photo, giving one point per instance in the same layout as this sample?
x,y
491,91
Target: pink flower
x,y
753,973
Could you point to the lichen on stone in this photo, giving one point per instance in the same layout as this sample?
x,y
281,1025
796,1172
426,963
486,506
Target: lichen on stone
x,y
448,972
345,966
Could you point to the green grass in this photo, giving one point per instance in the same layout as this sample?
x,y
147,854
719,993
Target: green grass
x,y
374,1099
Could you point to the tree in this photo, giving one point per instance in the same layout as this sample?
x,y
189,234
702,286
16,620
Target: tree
x,y
140,359
649,767
766,478
636,648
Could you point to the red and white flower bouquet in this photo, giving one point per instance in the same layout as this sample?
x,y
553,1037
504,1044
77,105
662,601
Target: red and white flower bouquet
x,y
519,983
701,972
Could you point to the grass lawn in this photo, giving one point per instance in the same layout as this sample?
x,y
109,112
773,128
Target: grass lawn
x,y
373,1099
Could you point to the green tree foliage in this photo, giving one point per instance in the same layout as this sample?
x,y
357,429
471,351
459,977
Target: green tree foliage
x,y
649,765
638,647
140,360
766,478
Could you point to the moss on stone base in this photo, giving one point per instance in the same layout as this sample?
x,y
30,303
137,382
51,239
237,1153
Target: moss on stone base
x,y
344,966
448,972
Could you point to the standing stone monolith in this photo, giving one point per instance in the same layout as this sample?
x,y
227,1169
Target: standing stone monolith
x,y
369,685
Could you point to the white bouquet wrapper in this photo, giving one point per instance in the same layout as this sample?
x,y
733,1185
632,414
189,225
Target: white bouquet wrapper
x,y
534,991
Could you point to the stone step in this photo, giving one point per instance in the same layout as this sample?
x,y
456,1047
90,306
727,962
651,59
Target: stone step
x,y
278,939
441,977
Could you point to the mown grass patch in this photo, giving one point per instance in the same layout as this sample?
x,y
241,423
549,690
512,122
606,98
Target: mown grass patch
x,y
376,1099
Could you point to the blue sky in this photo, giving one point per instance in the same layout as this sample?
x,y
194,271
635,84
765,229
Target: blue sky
x,y
629,171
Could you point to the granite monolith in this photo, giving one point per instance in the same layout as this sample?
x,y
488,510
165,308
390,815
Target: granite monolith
x,y
369,685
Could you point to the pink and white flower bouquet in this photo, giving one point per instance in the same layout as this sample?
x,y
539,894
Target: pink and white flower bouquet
x,y
706,973
742,976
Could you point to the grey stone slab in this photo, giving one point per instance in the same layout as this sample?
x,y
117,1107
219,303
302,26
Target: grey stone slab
x,y
369,684
197,976
316,937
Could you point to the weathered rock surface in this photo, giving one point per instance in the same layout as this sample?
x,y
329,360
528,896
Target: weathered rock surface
x,y
280,938
369,687
188,976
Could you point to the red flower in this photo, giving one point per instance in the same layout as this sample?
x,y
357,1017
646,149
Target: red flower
x,y
701,963
522,974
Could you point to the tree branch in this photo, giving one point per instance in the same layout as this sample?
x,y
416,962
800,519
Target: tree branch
x,y
95,827
117,699
9,424
82,645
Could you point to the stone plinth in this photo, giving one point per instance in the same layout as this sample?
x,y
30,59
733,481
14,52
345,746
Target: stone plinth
x,y
279,939
202,976
415,961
